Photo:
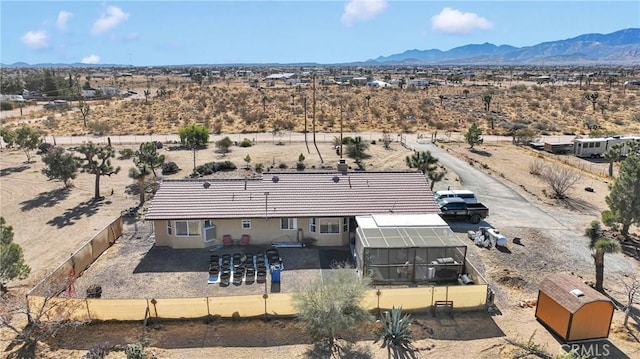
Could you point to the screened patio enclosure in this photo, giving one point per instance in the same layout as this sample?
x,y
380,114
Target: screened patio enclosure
x,y
396,248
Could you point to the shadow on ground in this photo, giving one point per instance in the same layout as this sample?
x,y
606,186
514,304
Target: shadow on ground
x,y
9,170
579,204
45,199
459,326
83,209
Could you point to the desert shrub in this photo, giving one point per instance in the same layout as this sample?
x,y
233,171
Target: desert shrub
x,y
245,143
100,127
524,136
346,140
126,153
536,167
213,167
259,167
135,351
97,351
300,166
170,168
283,166
45,147
6,106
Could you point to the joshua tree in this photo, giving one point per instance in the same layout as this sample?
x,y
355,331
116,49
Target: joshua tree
x,y
487,102
613,154
140,174
593,98
427,164
97,161
84,110
600,246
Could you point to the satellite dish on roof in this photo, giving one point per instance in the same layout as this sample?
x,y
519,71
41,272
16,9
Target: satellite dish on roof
x,y
336,179
275,179
206,185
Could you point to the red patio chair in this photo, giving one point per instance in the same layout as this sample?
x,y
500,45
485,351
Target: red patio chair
x,y
227,240
244,241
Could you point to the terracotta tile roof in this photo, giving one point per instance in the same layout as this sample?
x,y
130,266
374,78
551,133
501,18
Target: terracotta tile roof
x,y
559,287
303,194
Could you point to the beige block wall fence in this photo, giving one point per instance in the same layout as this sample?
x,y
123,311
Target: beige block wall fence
x,y
469,297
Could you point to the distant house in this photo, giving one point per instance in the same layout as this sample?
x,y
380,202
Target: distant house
x,y
282,207
88,93
378,84
417,82
109,91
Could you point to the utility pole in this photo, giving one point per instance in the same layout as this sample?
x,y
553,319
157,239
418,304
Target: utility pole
x,y
313,78
305,124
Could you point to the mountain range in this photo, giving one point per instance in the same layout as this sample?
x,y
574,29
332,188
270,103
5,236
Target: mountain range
x,y
617,48
620,48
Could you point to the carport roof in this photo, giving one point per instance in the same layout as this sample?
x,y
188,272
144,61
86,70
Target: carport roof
x,y
405,231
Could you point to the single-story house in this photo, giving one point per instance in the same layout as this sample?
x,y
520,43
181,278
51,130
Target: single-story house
x,y
572,309
412,248
282,207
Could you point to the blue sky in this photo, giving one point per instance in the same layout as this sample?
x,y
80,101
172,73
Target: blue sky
x,y
151,33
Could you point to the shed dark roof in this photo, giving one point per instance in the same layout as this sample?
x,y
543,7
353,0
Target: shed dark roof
x,y
306,194
559,286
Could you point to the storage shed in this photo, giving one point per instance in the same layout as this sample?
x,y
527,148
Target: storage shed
x,y
408,248
572,309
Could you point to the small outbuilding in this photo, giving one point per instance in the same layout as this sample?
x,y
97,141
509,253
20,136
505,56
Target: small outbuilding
x,y
572,309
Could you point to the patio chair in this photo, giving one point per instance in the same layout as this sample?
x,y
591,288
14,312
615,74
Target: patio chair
x,y
227,240
244,241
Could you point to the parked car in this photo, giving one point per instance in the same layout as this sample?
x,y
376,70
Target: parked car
x,y
465,194
56,104
457,208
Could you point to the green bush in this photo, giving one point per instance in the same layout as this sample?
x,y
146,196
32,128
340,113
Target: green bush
x,y
135,351
126,153
6,106
245,143
213,167
346,140
300,166
170,168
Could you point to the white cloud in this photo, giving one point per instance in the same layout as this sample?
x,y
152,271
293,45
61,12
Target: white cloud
x,y
35,39
452,21
63,17
91,59
362,10
112,18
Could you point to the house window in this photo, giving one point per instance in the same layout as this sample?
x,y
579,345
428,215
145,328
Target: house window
x,y
246,224
187,228
312,225
329,225
289,223
345,225
169,228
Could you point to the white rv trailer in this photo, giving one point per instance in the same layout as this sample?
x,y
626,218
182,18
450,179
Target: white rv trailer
x,y
596,147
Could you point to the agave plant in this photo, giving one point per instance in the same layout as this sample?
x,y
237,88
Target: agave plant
x,y
395,334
